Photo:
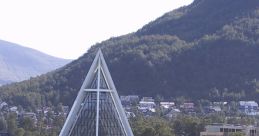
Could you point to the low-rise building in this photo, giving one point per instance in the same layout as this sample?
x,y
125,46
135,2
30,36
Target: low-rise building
x,y
167,105
130,114
143,106
147,105
220,103
65,110
188,108
173,113
30,115
188,105
212,109
228,129
14,109
3,104
129,100
211,134
148,99
248,107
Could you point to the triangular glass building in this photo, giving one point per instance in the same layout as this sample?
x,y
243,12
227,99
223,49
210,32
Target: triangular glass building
x,y
97,110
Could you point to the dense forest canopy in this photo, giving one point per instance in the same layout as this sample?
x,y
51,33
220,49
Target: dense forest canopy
x,y
209,49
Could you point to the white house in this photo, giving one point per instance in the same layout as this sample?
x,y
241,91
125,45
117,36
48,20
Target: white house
x,y
14,109
3,104
248,107
147,106
167,105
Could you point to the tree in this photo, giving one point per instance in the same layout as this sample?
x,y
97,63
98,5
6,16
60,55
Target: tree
x,y
11,124
59,121
3,124
214,94
149,131
19,132
151,127
27,123
163,129
187,126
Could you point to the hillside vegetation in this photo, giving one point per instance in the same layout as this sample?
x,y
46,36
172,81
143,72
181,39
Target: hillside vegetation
x,y
209,49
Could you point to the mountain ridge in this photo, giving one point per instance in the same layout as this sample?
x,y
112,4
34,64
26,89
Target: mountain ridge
x,y
185,21
208,57
19,63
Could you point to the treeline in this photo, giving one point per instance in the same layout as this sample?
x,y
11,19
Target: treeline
x,y
141,126
183,125
14,126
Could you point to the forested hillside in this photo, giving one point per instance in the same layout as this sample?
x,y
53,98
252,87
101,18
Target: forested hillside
x,y
209,49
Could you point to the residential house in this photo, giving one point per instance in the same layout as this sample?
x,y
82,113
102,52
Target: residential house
x,y
30,115
129,100
14,109
130,114
212,109
3,104
167,105
147,105
148,99
248,107
188,107
173,113
65,110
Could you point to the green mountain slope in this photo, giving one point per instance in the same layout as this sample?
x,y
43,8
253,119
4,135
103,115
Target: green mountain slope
x,y
200,18
209,49
18,63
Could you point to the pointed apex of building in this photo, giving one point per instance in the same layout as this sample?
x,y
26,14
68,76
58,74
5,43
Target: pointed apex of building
x,y
97,110
99,50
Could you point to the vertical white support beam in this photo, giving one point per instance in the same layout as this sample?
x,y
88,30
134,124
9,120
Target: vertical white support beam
x,y
98,97
115,96
70,121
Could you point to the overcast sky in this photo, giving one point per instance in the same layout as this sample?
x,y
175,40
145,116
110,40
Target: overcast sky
x,y
67,28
